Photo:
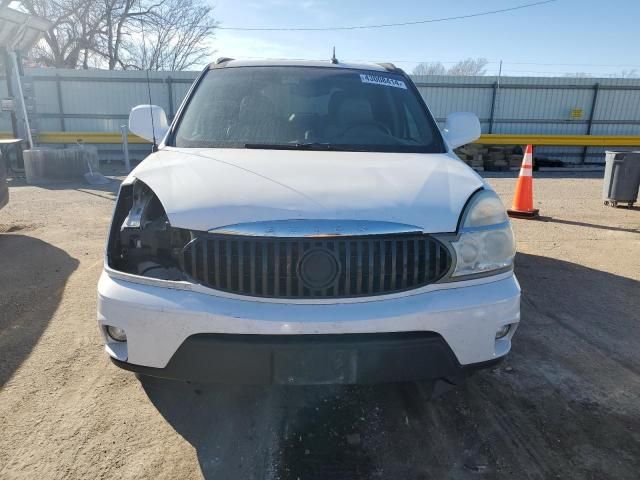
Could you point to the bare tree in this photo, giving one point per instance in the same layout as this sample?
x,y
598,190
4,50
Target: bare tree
x,y
633,73
123,20
578,75
124,34
175,36
470,67
75,24
429,68
116,15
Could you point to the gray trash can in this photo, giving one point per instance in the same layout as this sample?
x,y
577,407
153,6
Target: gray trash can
x,y
621,178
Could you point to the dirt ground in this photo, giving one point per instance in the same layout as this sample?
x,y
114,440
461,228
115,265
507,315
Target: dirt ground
x,y
563,405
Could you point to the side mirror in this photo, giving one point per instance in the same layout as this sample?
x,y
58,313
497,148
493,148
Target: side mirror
x,y
141,124
461,128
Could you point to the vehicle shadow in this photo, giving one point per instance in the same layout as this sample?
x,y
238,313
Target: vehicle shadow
x,y
108,191
590,225
32,279
560,174
550,410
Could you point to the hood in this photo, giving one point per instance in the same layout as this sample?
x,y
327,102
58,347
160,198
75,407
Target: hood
x,y
203,189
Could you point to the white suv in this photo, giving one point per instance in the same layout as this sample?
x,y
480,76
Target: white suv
x,y
306,223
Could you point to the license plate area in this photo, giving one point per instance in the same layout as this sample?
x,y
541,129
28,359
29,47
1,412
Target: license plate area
x,y
304,366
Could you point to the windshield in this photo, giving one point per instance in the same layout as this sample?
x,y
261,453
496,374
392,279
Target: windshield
x,y
307,107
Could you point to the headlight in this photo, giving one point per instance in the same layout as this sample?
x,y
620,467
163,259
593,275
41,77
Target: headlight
x,y
486,240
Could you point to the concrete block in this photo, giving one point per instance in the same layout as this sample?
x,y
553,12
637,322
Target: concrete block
x,y
54,165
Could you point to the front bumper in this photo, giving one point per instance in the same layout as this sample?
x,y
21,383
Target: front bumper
x,y
204,337
311,359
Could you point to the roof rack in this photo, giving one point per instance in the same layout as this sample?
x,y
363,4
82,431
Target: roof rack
x,y
390,67
222,60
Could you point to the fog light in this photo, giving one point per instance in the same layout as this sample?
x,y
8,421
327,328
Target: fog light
x,y
117,333
503,331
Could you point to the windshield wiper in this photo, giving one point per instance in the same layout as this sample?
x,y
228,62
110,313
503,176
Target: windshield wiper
x,y
298,146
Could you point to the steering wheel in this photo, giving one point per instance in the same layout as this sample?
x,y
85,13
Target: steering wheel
x,y
383,128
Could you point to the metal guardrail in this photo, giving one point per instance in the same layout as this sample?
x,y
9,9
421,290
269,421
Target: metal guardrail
x,y
486,139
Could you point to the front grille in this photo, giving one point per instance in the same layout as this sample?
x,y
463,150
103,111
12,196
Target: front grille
x,y
354,266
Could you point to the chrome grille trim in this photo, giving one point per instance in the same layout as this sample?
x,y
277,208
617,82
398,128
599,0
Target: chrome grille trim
x,y
268,267
315,228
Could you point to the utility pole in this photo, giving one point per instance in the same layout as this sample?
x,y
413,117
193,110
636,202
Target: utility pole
x,y
494,100
19,95
8,69
20,32
497,99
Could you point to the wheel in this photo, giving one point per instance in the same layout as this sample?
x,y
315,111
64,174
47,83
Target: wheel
x,y
614,204
606,203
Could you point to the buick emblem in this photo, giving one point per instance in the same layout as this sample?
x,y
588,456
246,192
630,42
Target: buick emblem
x,y
318,269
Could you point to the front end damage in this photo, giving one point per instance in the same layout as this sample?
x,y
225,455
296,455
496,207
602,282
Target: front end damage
x,y
155,328
141,240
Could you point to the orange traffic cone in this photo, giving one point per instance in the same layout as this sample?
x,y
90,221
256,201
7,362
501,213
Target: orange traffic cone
x,y
523,198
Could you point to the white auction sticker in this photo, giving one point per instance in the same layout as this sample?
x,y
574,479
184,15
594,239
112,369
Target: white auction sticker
x,y
380,80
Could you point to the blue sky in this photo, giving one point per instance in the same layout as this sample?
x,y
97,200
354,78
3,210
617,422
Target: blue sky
x,y
601,35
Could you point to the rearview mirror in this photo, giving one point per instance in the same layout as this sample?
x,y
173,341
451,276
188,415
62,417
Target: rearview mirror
x,y
461,128
149,122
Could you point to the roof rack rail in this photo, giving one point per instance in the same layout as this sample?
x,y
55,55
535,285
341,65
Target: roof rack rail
x,y
223,60
390,67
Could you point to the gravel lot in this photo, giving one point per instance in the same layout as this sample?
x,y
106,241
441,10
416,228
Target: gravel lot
x,y
563,405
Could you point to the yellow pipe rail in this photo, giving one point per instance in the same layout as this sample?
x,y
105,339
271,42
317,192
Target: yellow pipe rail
x,y
487,139
561,140
85,137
